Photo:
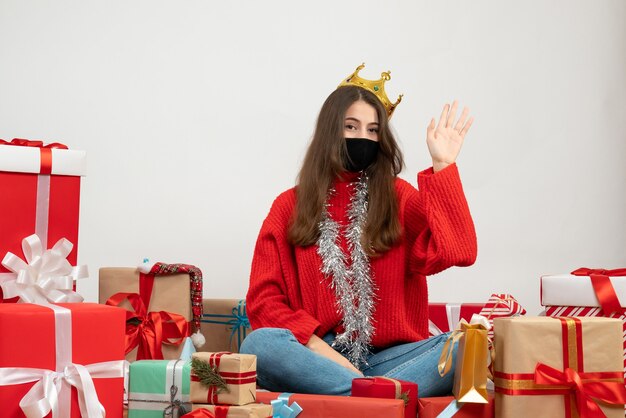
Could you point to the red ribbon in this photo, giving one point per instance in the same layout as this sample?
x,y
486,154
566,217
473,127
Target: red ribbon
x,y
199,413
45,165
585,391
220,411
602,286
153,328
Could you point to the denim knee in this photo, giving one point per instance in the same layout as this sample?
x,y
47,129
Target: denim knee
x,y
262,338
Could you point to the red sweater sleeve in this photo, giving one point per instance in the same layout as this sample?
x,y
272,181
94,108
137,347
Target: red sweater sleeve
x,y
273,283
438,223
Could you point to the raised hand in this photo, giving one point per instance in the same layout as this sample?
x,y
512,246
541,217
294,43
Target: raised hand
x,y
445,140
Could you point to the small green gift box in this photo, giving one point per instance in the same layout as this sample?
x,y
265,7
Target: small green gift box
x,y
159,388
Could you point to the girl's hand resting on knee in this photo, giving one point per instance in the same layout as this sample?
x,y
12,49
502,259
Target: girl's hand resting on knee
x,y
319,346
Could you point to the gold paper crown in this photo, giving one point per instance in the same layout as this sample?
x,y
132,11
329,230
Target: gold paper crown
x,y
377,87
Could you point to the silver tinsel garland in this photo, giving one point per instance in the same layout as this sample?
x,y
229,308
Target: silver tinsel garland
x,y
353,284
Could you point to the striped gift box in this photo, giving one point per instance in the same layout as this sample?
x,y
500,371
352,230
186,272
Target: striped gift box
x,y
500,305
580,311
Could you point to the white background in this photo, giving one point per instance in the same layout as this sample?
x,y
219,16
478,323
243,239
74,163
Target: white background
x,y
196,114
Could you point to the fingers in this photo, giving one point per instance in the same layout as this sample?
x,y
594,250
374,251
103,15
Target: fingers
x,y
452,114
444,117
459,125
447,119
466,127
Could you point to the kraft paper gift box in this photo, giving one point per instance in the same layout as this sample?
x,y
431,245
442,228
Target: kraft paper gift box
x,y
253,410
158,293
224,324
447,406
75,344
385,387
40,186
159,388
558,367
232,378
324,406
587,292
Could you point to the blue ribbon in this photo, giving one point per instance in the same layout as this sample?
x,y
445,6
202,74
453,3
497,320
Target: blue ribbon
x,y
238,321
452,408
282,409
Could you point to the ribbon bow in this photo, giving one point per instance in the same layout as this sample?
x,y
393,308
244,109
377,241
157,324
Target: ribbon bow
x,y
281,409
176,408
584,390
445,360
602,286
43,397
149,330
45,276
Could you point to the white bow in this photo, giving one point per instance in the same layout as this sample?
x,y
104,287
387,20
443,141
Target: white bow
x,y
43,397
45,276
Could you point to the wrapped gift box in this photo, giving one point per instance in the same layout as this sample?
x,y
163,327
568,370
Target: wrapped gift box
x,y
159,388
237,376
385,387
324,406
578,290
159,293
540,359
433,407
224,324
584,311
575,295
445,317
253,410
41,189
60,340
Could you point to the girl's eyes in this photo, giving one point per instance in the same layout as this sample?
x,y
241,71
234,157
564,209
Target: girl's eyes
x,y
373,130
350,127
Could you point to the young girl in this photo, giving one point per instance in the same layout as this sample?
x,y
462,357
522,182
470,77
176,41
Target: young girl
x,y
338,282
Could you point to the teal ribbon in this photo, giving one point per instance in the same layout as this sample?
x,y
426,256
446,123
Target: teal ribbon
x,y
282,409
238,322
452,408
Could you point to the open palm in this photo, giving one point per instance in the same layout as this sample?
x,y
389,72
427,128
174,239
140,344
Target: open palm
x,y
445,140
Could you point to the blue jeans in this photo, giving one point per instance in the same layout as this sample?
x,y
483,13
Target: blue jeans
x,y
285,365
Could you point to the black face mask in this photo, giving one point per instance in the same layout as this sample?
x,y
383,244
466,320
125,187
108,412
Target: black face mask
x,y
362,153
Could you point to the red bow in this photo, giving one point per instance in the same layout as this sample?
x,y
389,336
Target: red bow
x,y
584,390
149,330
602,286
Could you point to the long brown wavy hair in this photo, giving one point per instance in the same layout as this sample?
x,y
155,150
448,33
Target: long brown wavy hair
x,y
325,161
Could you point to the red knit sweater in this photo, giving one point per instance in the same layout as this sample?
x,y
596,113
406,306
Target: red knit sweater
x,y
287,289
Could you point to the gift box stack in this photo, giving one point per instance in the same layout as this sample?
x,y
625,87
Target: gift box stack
x,y
76,368
224,384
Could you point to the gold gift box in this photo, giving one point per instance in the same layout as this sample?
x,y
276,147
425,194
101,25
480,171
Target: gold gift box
x,y
470,374
521,343
253,410
170,293
237,372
